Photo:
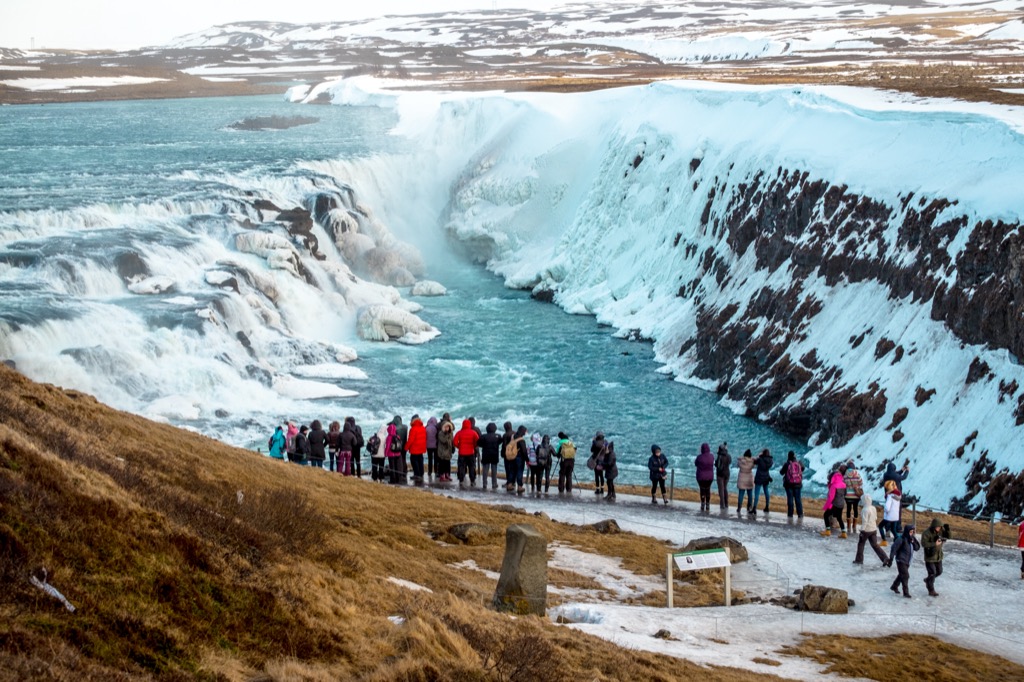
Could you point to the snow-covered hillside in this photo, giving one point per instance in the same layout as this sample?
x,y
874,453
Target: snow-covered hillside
x,y
843,264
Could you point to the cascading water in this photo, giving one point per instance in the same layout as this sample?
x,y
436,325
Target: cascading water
x,y
211,277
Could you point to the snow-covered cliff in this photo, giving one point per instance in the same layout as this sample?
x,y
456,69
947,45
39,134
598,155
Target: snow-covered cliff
x,y
843,264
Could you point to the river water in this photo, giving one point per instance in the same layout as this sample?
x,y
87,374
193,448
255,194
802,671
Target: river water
x,y
170,179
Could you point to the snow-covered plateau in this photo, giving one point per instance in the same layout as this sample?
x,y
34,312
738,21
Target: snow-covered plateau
x,y
844,264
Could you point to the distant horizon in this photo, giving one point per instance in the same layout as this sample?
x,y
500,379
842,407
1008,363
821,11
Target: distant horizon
x,y
121,25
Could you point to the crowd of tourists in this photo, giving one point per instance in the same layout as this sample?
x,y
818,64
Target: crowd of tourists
x,y
422,451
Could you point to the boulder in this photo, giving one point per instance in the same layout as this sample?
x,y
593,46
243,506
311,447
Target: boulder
x,y
608,527
523,585
382,322
472,533
737,552
428,287
823,599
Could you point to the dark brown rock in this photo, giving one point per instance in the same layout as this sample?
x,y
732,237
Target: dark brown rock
x,y
737,552
823,599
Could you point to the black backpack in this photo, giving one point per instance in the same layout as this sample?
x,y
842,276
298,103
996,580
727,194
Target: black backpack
x,y
373,445
396,444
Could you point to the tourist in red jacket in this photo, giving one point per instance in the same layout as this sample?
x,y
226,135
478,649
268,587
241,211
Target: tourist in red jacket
x,y
465,446
417,447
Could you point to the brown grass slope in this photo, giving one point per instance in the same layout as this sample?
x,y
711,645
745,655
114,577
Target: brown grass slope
x,y
142,528
190,559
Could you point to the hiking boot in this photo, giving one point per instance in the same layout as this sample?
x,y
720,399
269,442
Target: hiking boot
x,y
654,500
665,500
933,593
826,533
895,589
752,512
843,535
883,543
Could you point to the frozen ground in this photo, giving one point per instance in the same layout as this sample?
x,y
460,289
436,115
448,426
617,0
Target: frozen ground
x,y
978,607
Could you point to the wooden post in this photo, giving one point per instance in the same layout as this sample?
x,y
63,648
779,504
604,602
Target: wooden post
x,y
672,486
668,577
992,531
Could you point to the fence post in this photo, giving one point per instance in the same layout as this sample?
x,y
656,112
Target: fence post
x,y
992,531
669,578
672,486
913,513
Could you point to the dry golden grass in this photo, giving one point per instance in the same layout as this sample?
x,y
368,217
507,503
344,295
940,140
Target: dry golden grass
x,y
903,658
176,576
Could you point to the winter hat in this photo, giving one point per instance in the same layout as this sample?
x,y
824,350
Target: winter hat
x,y
935,524
600,435
655,449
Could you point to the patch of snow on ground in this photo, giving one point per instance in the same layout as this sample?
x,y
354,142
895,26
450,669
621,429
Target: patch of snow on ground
x,y
408,584
45,84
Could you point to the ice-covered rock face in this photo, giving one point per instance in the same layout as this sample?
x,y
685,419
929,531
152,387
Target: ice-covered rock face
x,y
842,266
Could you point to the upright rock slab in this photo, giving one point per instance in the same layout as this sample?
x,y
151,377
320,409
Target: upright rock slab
x,y
523,585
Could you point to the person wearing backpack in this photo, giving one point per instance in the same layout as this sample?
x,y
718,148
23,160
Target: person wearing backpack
x,y
515,460
657,465
357,452
869,532
402,431
465,444
544,454
835,502
445,450
532,470
395,449
902,553
723,460
510,475
289,441
793,483
378,453
490,453
854,489
566,453
276,444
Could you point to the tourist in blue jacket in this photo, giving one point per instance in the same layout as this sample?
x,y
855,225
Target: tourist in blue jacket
x,y
276,444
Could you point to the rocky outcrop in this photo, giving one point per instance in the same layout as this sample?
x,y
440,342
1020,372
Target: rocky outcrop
x,y
473,533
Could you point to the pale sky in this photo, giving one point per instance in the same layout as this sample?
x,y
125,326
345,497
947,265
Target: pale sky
x,y
126,24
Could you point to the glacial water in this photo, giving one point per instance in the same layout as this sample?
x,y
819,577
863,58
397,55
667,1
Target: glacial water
x,y
170,180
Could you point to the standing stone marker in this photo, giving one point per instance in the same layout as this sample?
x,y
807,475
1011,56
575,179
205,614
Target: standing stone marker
x,y
523,585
